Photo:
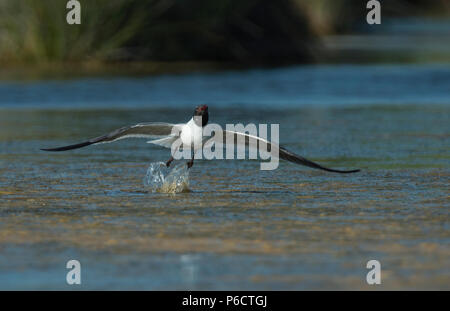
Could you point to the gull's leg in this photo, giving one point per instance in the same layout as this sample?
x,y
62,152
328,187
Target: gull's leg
x,y
170,161
191,162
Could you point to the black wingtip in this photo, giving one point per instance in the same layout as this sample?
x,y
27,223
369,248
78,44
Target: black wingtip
x,y
76,146
295,158
336,171
348,172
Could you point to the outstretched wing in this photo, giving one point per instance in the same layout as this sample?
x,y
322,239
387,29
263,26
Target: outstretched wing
x,y
142,130
237,138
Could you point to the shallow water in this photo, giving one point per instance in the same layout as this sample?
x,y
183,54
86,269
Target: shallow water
x,y
238,227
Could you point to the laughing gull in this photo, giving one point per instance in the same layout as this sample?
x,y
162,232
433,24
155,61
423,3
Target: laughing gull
x,y
191,134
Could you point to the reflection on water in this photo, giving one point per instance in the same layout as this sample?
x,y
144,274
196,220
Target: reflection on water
x,y
160,178
238,227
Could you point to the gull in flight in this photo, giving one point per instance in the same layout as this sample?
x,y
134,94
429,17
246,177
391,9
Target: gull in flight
x,y
191,134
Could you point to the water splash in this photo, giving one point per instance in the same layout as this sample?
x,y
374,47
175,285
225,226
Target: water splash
x,y
160,178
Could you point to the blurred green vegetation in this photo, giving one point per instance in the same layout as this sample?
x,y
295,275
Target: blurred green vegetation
x,y
162,30
243,32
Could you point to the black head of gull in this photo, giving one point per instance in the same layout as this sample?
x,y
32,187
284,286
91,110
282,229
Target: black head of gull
x,y
201,111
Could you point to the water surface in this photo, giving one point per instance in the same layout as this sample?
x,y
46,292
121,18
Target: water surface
x,y
238,227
